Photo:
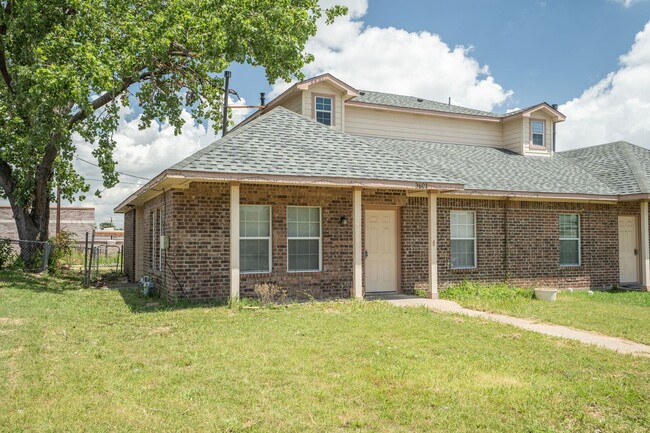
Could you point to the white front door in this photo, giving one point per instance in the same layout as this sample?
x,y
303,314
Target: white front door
x,y
628,249
381,251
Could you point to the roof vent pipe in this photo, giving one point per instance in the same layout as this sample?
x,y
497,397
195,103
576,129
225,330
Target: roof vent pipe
x,y
554,131
224,124
449,103
262,99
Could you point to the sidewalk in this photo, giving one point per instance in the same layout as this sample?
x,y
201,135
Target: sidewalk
x,y
612,343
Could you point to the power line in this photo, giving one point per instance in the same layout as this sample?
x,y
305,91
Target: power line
x,y
121,182
118,172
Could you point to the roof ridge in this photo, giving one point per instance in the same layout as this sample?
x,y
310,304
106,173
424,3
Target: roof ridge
x,y
635,167
361,91
223,139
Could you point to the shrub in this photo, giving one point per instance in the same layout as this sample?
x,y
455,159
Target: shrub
x,y
7,255
270,293
469,290
62,246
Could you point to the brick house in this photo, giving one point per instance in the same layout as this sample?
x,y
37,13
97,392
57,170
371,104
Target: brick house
x,y
332,191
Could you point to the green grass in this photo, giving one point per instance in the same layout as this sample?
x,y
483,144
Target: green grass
x,y
618,313
102,360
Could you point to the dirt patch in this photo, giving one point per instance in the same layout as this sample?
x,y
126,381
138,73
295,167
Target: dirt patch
x,y
491,380
160,330
8,321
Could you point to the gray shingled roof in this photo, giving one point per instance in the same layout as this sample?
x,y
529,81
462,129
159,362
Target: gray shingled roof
x,y
284,143
622,165
486,168
380,98
281,142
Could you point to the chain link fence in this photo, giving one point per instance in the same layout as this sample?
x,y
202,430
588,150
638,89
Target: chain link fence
x,y
89,259
32,256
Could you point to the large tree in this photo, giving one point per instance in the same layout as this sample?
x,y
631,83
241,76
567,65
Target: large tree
x,y
67,66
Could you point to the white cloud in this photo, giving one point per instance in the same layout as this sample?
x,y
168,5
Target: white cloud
x,y
627,3
617,107
143,153
397,61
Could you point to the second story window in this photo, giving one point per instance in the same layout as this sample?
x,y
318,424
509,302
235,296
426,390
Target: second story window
x,y
323,110
537,132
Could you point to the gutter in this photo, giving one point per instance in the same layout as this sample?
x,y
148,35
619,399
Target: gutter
x,y
182,179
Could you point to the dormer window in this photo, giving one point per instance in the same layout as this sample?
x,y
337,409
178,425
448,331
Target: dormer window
x,y
323,110
537,133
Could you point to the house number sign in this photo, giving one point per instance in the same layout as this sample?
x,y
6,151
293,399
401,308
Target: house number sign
x,y
419,185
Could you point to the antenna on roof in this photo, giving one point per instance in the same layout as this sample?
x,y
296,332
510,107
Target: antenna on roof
x,y
449,103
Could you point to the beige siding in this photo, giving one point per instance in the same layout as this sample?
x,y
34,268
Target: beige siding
x,y
381,123
294,104
548,135
323,89
512,135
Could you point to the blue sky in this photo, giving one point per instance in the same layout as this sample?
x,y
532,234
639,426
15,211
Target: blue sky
x,y
592,57
546,50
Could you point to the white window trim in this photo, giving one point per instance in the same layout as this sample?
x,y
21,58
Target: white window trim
x,y
572,265
300,238
253,238
532,143
474,266
331,111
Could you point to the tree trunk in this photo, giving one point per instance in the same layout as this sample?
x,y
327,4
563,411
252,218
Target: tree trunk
x,y
32,225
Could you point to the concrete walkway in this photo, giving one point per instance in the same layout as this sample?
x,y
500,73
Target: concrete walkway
x,y
444,306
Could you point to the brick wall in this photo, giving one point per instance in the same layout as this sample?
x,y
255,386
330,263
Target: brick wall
x,y
197,222
335,278
129,244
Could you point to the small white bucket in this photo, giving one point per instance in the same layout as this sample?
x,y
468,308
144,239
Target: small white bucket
x,y
546,294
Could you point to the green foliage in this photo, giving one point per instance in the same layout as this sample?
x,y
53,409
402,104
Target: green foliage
x,y
68,66
470,290
7,255
63,245
106,224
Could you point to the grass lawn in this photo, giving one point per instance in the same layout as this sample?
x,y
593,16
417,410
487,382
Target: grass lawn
x,y
617,313
101,360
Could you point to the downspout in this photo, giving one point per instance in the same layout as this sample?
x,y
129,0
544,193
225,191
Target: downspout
x,y
505,239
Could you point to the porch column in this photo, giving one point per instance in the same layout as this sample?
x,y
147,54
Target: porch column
x,y
433,245
234,241
645,246
357,280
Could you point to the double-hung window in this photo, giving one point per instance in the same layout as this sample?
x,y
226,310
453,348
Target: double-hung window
x,y
254,239
323,110
569,240
463,239
537,132
304,238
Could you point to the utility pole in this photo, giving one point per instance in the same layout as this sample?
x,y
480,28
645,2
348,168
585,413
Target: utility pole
x,y
224,124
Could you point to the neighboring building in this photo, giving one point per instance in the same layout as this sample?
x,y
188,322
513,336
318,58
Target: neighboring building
x,y
109,236
336,192
76,220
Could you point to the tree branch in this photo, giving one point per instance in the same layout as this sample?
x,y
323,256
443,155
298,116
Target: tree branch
x,y
106,98
3,59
